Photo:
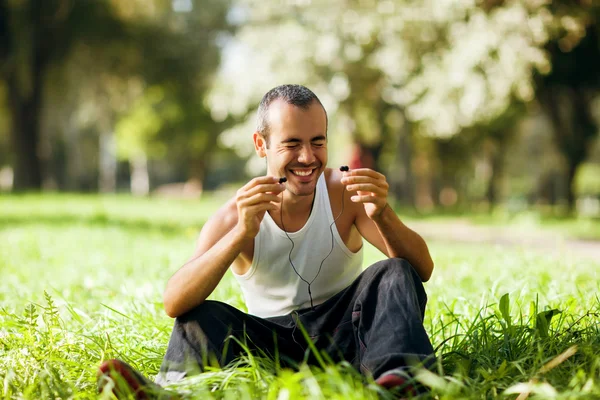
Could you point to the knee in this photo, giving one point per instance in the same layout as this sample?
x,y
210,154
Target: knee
x,y
397,275
201,314
394,269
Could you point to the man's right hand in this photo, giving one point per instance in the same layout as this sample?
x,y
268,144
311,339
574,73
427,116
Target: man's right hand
x,y
219,244
253,200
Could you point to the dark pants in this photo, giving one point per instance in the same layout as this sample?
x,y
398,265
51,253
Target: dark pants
x,y
376,324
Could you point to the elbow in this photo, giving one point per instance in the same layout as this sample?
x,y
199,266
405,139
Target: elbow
x,y
176,305
171,312
428,271
169,306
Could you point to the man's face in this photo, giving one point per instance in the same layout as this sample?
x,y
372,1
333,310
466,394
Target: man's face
x,y
297,145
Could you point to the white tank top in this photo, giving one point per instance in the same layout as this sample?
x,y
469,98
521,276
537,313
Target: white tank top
x,y
271,287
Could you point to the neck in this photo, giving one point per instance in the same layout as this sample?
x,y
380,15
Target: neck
x,y
296,204
294,210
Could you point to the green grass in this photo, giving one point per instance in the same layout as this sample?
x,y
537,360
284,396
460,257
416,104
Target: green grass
x,y
82,279
532,220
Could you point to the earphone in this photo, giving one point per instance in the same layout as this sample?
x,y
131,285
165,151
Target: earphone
x,y
343,168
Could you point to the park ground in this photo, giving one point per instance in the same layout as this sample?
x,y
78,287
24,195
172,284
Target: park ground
x,y
513,309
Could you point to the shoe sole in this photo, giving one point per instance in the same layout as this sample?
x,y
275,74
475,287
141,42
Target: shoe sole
x,y
119,371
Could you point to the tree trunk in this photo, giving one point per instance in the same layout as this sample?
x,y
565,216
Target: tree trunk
x,y
402,180
25,83
567,94
491,193
140,178
197,171
74,165
496,156
569,109
571,196
107,176
25,117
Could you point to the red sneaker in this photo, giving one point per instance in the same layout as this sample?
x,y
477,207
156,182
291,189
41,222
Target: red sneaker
x,y
125,382
398,381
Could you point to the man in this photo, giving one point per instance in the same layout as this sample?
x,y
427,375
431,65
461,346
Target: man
x,y
295,247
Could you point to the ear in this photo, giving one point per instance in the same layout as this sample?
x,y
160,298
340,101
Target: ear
x,y
260,144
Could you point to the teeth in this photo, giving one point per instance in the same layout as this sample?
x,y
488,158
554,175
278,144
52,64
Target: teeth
x,y
302,173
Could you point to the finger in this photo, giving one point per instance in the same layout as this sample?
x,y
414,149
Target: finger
x,y
275,188
367,187
363,179
366,198
261,207
245,204
365,172
258,210
259,180
261,198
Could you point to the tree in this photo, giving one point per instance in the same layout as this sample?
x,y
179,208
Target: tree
x,y
168,44
34,34
169,120
567,93
440,68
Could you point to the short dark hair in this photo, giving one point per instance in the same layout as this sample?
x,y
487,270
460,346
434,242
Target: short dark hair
x,y
296,95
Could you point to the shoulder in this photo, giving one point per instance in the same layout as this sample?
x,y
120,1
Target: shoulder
x,y
332,178
227,214
222,221
336,190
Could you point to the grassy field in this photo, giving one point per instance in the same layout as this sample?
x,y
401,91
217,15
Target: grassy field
x,y
568,227
82,279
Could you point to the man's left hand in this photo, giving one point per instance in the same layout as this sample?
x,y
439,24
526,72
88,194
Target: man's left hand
x,y
371,189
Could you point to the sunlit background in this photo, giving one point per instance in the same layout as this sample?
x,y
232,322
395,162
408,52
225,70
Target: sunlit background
x,y
127,123
463,104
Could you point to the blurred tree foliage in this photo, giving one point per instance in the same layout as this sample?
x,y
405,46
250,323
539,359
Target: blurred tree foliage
x,y
393,69
431,90
33,35
456,101
81,67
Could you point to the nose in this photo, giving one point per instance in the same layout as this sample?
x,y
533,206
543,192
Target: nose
x,y
306,155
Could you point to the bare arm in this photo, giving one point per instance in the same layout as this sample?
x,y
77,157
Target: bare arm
x,y
399,240
380,225
219,245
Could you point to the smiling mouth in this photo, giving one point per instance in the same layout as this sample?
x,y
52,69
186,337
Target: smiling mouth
x,y
303,172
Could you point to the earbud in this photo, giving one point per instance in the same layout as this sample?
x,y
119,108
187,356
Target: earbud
x,y
282,179
344,168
